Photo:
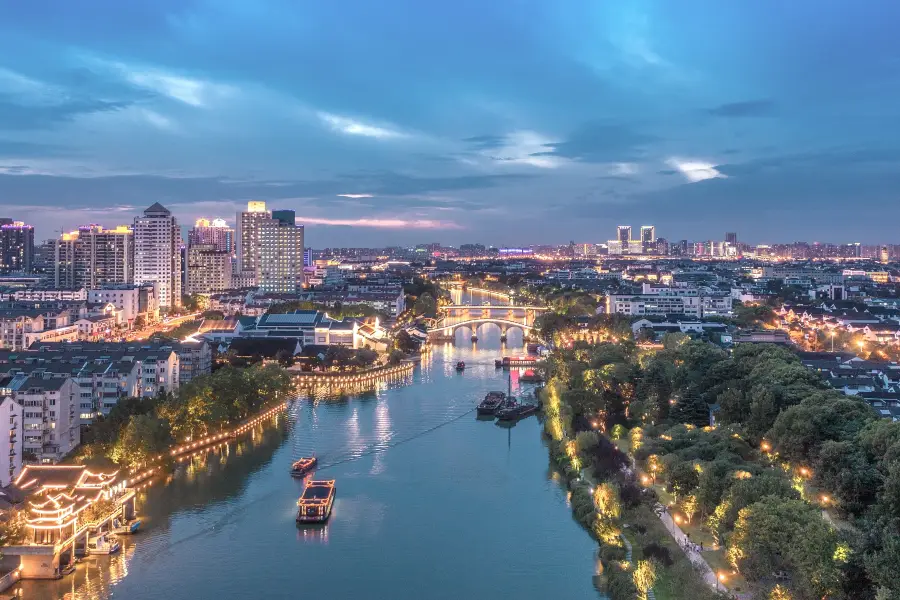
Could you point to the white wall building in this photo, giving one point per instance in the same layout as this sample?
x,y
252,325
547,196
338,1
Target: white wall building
x,y
157,254
11,431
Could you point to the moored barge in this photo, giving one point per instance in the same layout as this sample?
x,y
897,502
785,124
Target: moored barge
x,y
491,402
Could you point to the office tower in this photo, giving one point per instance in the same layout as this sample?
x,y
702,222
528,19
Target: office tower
x,y
648,239
208,269
624,234
731,238
157,254
248,234
92,256
217,233
16,246
279,255
307,257
884,255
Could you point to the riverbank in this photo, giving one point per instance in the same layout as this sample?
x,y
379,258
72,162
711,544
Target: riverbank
x,y
361,377
231,510
610,505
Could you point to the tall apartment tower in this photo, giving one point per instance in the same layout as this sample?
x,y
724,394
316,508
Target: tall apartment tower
x,y
157,254
648,234
216,233
270,250
280,253
731,238
16,246
92,256
248,234
624,234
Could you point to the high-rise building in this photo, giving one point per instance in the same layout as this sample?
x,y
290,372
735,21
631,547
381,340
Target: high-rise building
x,y
45,257
92,256
279,256
157,254
216,233
16,246
208,269
884,256
731,238
248,234
624,234
648,239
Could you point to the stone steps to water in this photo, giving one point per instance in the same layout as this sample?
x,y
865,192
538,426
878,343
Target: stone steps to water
x,y
628,557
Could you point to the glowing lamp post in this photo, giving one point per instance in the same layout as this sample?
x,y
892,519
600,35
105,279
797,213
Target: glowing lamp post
x,y
720,581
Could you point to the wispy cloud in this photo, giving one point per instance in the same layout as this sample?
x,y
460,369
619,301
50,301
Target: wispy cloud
x,y
525,147
351,126
356,196
382,223
695,170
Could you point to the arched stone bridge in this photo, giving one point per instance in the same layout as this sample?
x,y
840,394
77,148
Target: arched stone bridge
x,y
506,317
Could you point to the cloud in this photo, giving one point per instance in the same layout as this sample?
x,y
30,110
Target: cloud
x,y
381,223
747,108
694,170
602,142
355,196
24,116
353,127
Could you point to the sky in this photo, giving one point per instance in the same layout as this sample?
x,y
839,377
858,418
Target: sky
x,y
504,121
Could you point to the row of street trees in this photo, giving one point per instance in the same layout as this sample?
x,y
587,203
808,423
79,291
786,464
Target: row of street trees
x,y
138,429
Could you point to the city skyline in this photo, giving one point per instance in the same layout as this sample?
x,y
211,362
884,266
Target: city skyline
x,y
502,120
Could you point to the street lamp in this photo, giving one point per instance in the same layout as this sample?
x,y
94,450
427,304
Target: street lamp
x,y
720,581
832,340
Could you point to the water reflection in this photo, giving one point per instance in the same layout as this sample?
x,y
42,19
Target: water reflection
x,y
425,491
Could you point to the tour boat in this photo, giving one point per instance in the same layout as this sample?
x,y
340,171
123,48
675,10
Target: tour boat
x,y
491,402
303,466
126,527
498,364
530,376
103,544
460,366
314,506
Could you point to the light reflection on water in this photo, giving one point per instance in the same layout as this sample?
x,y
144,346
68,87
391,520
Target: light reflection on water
x,y
427,495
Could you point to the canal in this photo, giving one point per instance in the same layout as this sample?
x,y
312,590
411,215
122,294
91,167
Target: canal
x,y
432,503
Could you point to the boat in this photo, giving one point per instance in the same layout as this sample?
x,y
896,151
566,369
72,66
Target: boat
x,y
460,366
314,506
303,466
127,527
103,544
498,363
518,361
530,376
491,403
517,411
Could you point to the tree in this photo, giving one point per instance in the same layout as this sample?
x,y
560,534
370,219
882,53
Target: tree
x,y
145,437
779,593
691,409
426,306
689,506
405,342
783,535
843,469
682,479
644,577
606,501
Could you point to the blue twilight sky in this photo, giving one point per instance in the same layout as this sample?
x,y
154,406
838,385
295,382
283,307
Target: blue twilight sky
x,y
501,121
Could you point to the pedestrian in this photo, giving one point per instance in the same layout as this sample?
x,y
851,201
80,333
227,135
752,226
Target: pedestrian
x,y
701,546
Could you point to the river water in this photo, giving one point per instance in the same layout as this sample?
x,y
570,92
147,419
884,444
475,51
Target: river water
x,y
432,503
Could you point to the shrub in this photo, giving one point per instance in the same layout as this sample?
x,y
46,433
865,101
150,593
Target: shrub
x,y
658,553
610,553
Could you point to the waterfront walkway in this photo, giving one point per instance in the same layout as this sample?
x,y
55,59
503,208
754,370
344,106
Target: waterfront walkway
x,y
693,554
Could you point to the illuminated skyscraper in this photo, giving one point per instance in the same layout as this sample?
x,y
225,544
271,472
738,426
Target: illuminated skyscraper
x,y
16,246
624,235
217,234
157,254
92,257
